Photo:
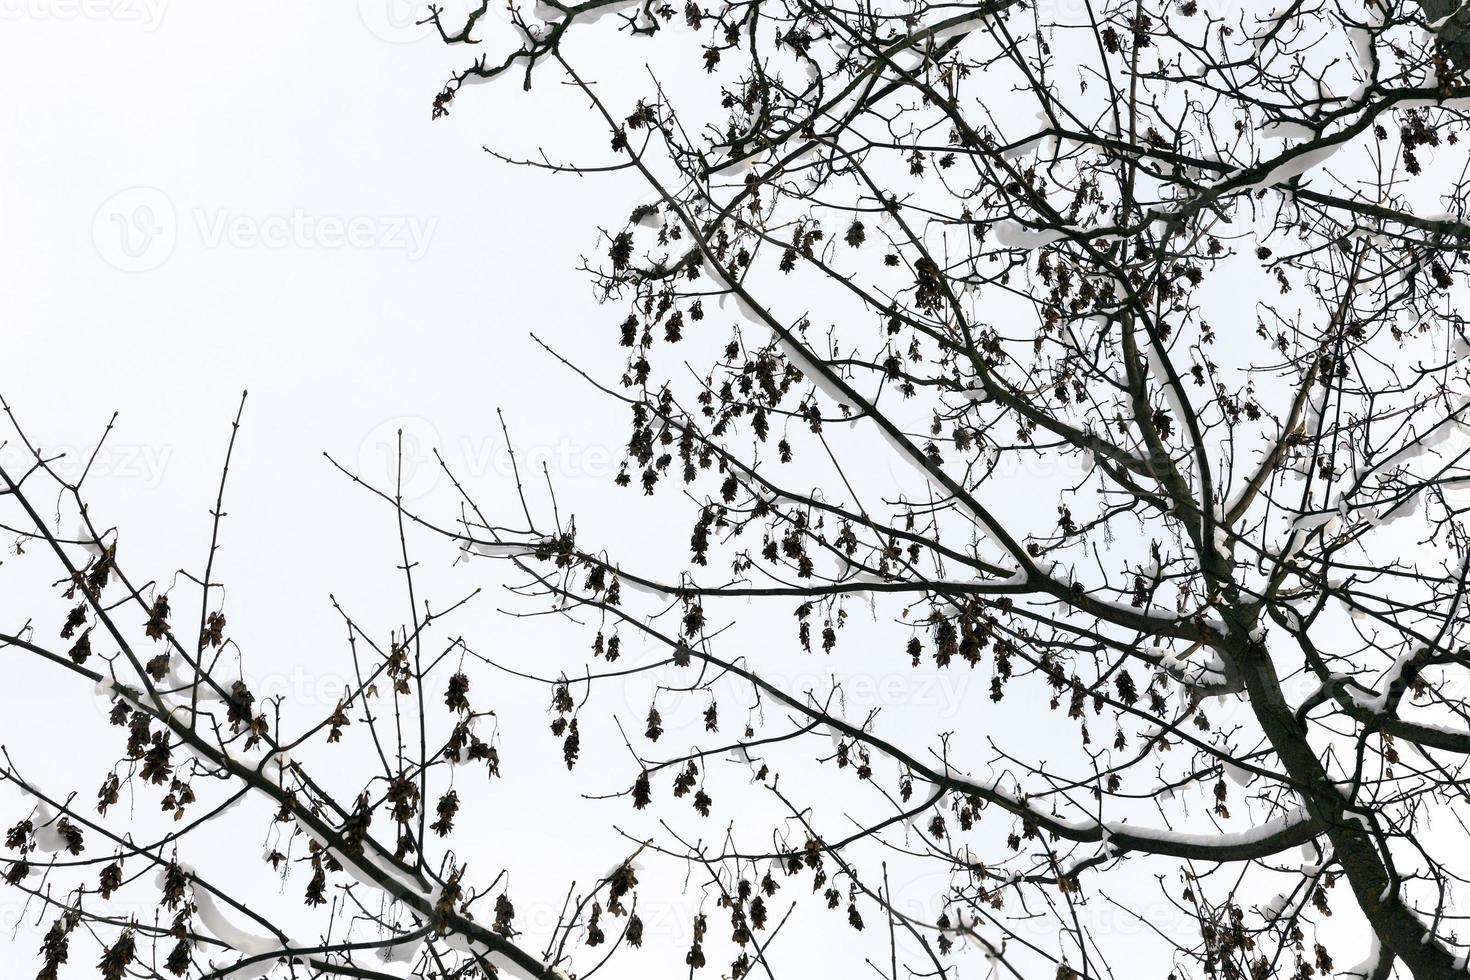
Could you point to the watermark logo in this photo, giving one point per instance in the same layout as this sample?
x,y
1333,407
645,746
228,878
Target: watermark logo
x,y
147,14
941,694
136,229
303,694
411,21
300,229
397,456
141,464
470,458
396,21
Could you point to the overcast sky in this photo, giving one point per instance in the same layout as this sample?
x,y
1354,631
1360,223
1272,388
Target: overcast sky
x,y
201,198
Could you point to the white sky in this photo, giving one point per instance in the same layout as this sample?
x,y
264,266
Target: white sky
x,y
201,198
152,154
192,118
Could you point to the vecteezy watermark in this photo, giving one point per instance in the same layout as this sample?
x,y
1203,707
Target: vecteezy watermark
x,y
1068,10
138,229
303,694
300,229
666,920
411,21
386,460
942,695
954,891
397,457
141,464
397,21
147,14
